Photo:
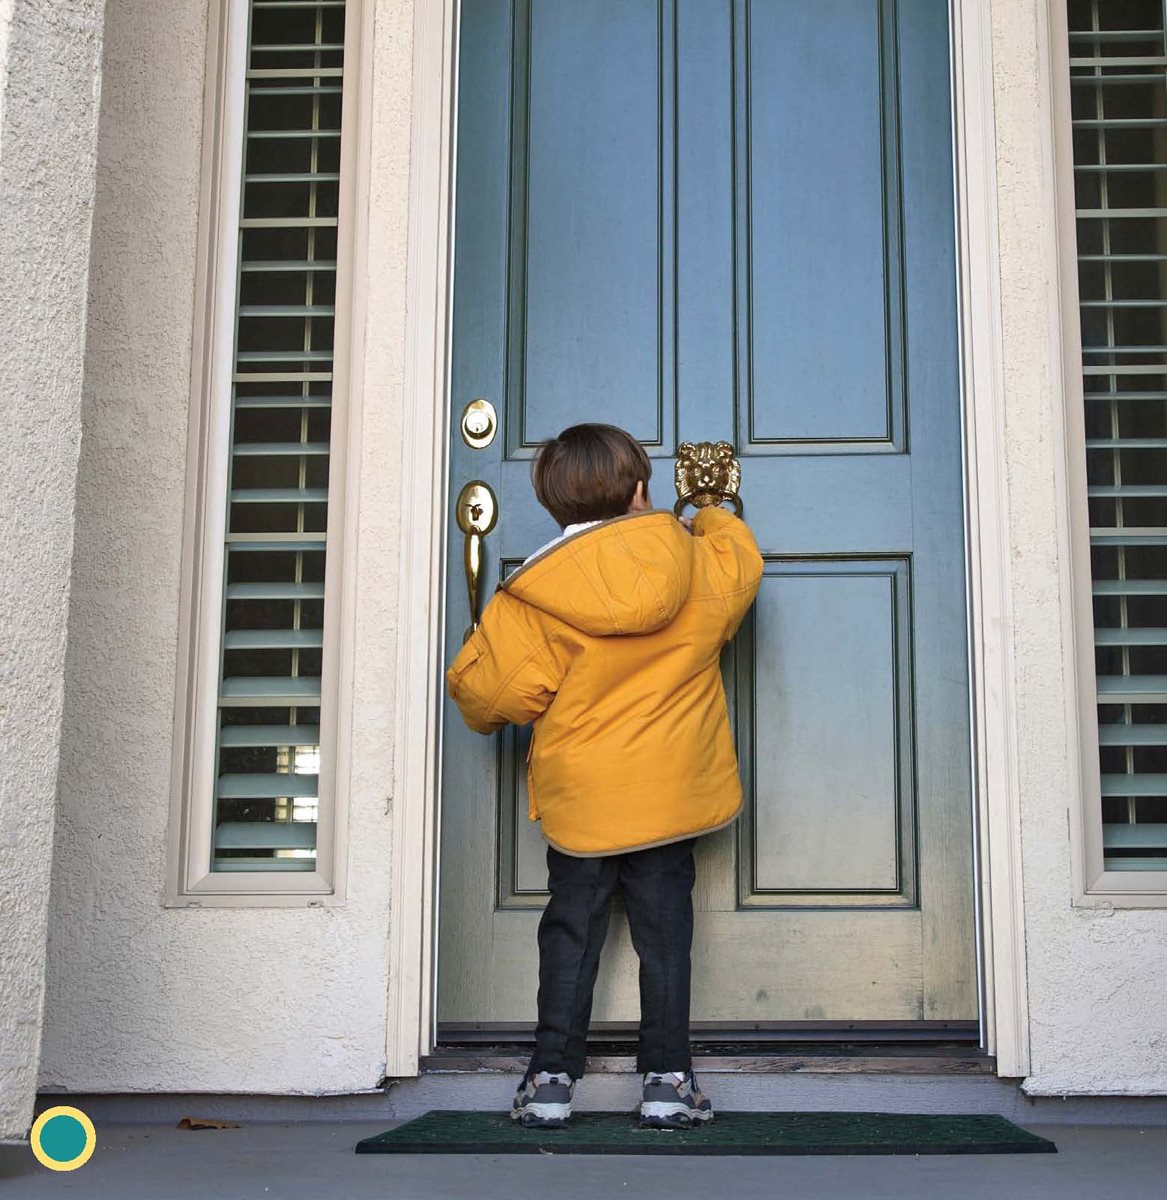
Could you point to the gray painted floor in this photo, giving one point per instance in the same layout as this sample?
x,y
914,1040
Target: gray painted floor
x,y
315,1161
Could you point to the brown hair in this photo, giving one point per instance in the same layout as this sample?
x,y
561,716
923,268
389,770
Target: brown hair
x,y
589,473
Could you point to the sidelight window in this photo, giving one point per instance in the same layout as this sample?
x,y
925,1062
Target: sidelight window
x,y
1118,96
259,755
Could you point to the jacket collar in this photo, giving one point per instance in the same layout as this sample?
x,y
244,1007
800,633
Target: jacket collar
x,y
543,555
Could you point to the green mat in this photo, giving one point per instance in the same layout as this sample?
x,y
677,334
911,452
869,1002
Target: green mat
x,y
729,1133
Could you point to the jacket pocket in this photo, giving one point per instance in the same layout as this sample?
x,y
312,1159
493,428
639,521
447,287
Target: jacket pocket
x,y
464,660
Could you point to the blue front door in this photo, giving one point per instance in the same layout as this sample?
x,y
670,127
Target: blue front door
x,y
707,219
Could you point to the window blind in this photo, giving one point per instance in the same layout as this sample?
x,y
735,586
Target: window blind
x,y
1118,71
268,738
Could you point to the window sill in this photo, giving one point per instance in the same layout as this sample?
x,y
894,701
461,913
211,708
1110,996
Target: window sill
x,y
1125,890
255,890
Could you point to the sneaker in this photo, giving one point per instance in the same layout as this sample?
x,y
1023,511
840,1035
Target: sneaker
x,y
543,1100
672,1100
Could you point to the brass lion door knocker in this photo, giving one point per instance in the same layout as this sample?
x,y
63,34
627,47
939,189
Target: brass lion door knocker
x,y
706,474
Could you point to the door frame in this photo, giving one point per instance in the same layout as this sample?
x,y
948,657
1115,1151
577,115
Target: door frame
x,y
995,825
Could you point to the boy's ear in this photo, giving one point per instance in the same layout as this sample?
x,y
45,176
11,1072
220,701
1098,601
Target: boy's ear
x,y
639,502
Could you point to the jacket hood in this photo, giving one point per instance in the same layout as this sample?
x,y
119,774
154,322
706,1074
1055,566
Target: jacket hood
x,y
625,576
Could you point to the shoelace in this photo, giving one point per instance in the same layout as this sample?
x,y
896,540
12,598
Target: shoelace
x,y
666,1077
563,1079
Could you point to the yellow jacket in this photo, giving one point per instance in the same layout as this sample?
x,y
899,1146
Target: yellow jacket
x,y
609,641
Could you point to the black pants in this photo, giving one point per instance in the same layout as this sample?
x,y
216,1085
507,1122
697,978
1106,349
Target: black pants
x,y
657,886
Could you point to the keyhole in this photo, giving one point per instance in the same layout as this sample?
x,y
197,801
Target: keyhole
x,y
478,424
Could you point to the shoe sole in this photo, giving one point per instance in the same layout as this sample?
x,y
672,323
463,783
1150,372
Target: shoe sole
x,y
542,1116
661,1114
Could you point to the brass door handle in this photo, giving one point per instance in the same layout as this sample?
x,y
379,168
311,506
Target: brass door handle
x,y
706,473
477,513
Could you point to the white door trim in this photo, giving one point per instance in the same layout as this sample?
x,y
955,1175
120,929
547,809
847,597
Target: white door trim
x,y
419,657
1001,921
417,733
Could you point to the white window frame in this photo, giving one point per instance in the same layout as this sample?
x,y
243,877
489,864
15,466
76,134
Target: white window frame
x,y
1094,885
190,881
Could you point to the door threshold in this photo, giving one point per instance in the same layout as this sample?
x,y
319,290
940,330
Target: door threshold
x,y
745,1058
706,1033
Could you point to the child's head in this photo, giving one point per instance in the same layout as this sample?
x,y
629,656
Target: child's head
x,y
591,473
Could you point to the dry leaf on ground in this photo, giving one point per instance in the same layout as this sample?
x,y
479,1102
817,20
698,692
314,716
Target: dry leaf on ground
x,y
205,1123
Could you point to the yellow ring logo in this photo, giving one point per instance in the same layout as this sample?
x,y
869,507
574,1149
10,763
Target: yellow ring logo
x,y
63,1138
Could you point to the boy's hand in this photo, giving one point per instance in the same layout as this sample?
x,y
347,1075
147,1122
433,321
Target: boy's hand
x,y
687,522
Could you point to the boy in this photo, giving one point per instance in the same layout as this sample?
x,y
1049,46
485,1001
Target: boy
x,y
609,639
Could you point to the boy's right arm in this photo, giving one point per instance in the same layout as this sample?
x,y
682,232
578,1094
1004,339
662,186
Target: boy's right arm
x,y
735,566
505,672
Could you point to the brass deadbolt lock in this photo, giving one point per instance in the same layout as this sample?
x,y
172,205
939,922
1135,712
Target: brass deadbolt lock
x,y
479,423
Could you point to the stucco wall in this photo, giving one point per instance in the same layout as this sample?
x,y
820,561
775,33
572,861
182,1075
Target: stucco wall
x,y
1098,1014
141,997
49,80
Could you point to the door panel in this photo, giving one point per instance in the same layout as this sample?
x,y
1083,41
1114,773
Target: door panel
x,y
706,219
832,777
582,236
591,230
820,263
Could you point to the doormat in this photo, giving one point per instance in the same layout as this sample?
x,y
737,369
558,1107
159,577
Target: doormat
x,y
728,1133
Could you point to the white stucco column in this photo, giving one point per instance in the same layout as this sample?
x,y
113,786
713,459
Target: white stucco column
x,y
50,63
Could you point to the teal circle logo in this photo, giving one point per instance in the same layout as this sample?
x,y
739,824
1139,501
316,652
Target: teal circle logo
x,y
63,1138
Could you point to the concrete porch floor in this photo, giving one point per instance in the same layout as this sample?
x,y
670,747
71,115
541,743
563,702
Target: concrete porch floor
x,y
315,1161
